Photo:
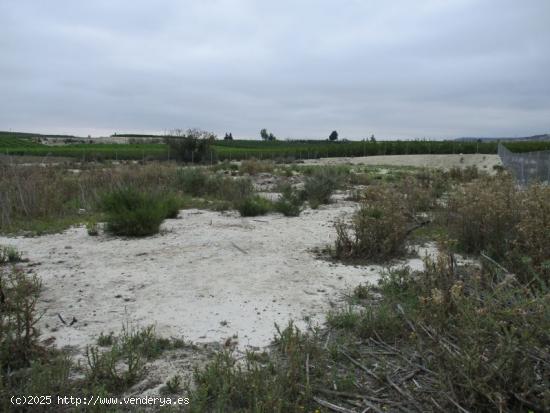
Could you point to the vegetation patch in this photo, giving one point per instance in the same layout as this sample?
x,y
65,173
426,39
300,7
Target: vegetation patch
x,y
254,206
319,187
130,212
290,203
377,230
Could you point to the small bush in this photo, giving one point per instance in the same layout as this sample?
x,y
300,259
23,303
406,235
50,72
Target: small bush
x,y
467,174
105,340
123,364
130,212
319,186
258,385
254,206
92,227
290,203
378,229
9,254
171,205
192,181
254,167
482,215
18,317
200,183
172,386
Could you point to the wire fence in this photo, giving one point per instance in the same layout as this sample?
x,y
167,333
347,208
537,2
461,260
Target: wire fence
x,y
526,166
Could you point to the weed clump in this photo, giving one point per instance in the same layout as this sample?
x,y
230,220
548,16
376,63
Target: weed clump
x,y
290,203
254,206
92,227
262,384
200,183
18,317
130,212
482,215
254,167
377,230
319,186
9,254
511,226
122,364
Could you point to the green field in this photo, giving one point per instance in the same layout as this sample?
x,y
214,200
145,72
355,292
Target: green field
x,y
25,144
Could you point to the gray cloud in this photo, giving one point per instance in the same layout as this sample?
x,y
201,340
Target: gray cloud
x,y
299,68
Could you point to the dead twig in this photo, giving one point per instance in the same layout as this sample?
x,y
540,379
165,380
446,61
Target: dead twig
x,y
458,406
331,406
307,369
239,248
492,261
358,364
404,393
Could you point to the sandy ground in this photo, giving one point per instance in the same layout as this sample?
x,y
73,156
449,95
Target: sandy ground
x,y
206,277
484,162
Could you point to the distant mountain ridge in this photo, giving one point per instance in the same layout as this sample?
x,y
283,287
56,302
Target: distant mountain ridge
x,y
544,137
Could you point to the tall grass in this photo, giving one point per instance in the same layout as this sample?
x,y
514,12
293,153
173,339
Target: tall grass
x,y
492,216
377,230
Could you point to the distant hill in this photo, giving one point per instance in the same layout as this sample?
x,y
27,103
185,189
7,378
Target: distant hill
x,y
545,137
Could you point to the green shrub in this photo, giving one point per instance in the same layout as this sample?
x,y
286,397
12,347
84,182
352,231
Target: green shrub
x,y
192,181
482,215
92,227
171,205
192,146
18,318
9,254
377,230
123,363
233,190
130,212
172,386
105,340
530,254
257,384
254,206
319,186
290,203
201,183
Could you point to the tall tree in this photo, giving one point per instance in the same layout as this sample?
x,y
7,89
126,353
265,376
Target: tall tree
x,y
333,135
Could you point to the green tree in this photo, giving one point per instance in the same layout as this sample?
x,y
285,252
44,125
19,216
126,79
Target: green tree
x,y
192,145
267,136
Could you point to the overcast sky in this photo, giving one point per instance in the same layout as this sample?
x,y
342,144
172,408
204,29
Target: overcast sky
x,y
300,68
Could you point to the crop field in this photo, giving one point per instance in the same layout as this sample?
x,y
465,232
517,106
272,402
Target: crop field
x,y
22,144
264,286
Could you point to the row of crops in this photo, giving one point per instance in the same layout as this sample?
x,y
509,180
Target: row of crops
x,y
246,149
320,149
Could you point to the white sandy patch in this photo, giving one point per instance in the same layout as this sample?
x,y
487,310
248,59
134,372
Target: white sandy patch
x,y
207,277
483,162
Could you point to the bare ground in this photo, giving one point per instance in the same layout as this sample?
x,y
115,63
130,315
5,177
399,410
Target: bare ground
x,y
208,277
483,162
